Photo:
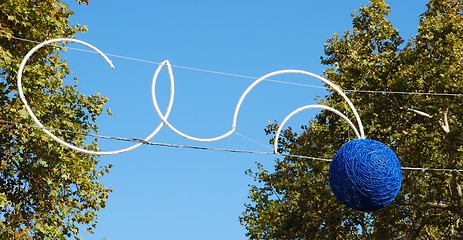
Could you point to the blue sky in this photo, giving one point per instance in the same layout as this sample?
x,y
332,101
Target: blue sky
x,y
175,193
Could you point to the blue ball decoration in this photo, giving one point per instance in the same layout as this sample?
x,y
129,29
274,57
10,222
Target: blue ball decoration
x,y
365,175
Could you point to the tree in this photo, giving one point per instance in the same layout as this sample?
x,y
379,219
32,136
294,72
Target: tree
x,y
294,201
46,190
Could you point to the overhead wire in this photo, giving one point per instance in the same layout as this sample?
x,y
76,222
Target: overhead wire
x,y
173,145
229,150
247,76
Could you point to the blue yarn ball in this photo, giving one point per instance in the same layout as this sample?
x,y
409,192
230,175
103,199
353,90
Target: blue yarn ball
x,y
365,175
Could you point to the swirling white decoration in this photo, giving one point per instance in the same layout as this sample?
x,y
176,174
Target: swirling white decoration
x,y
164,116
39,124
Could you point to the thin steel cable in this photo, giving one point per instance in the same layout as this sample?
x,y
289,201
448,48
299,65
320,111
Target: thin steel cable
x,y
251,77
406,93
252,140
173,145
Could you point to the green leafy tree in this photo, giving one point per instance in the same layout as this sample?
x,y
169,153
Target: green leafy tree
x,y
294,201
46,190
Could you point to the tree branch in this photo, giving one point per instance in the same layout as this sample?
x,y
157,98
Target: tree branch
x,y
419,112
458,192
445,123
438,205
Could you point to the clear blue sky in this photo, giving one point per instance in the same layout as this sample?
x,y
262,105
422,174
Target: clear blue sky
x,y
171,193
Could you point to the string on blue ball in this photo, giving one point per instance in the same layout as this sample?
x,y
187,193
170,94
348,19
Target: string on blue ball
x,y
365,175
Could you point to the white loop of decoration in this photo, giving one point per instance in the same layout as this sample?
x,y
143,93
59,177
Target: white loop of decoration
x,y
39,124
277,135
332,85
164,117
241,100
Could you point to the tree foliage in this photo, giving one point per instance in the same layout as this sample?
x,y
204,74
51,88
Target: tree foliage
x,y
294,201
46,190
